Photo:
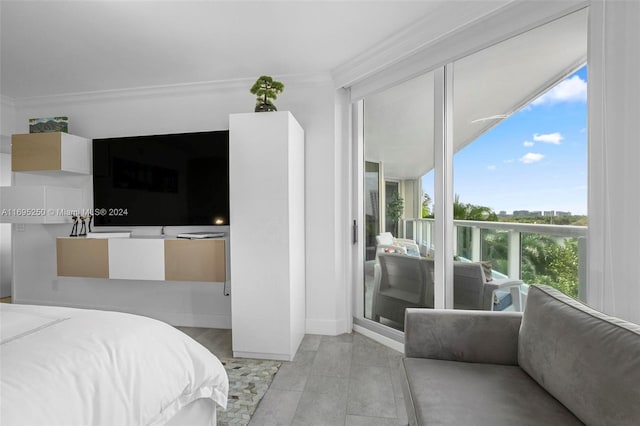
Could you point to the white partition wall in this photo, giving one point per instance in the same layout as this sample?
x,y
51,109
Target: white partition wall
x,y
267,243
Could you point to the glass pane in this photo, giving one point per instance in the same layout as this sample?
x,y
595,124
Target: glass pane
x,y
520,166
551,260
495,249
371,208
394,206
398,151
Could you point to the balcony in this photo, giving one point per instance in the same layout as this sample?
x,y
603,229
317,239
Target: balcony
x,y
509,246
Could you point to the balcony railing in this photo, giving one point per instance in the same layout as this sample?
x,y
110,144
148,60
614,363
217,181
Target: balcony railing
x,y
421,230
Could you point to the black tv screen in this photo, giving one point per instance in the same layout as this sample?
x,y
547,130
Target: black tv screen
x,y
162,180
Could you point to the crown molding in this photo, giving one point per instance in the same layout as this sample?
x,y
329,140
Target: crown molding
x,y
195,88
423,45
413,38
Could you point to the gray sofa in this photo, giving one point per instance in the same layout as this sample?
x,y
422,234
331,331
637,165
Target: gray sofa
x,y
559,363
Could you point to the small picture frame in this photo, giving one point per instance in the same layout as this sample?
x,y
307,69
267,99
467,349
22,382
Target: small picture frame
x,y
49,124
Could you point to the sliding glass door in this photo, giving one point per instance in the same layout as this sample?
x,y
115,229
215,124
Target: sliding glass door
x,y
474,179
398,162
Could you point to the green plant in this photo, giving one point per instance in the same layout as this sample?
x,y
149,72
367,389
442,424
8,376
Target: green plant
x,y
426,202
394,209
266,89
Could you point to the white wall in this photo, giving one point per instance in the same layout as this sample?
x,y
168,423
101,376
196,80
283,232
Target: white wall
x,y
5,232
7,121
189,108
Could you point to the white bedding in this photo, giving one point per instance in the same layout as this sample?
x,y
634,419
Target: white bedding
x,y
65,366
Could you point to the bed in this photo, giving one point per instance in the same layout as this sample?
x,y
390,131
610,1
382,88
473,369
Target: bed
x,y
66,366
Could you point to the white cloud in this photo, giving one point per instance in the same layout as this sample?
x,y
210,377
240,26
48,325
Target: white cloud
x,y
508,161
491,167
528,143
553,138
572,89
531,157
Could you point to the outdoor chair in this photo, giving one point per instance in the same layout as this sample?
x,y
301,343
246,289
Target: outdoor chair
x,y
402,281
472,289
386,242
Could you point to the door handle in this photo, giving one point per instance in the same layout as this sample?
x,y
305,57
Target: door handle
x,y
354,236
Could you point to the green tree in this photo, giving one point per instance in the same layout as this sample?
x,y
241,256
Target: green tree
x,y
426,201
550,261
467,211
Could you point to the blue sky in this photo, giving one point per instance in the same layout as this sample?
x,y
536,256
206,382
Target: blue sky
x,y
534,160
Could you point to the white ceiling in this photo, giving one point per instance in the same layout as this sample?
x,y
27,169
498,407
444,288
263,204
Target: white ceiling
x,y
61,47
58,47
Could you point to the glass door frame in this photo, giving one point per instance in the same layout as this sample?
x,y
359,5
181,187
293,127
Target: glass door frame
x,y
443,196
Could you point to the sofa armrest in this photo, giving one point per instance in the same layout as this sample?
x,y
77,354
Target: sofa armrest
x,y
460,335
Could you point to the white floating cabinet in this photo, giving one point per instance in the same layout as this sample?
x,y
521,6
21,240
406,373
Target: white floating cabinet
x,y
136,259
155,259
38,204
50,152
51,178
267,244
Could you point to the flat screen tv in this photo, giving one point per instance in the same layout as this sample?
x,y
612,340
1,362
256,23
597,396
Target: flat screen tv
x,y
162,180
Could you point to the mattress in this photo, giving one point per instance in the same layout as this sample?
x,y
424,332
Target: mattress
x,y
66,366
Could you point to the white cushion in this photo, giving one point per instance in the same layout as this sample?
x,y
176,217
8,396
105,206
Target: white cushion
x,y
385,238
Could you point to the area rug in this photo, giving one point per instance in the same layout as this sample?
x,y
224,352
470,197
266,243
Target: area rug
x,y
249,380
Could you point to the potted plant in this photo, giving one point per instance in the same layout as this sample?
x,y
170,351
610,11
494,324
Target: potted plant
x,y
266,89
394,210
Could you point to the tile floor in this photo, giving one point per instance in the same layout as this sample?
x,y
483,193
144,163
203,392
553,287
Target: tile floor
x,y
345,380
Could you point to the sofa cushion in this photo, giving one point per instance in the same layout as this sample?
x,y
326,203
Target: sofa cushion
x,y
587,360
463,393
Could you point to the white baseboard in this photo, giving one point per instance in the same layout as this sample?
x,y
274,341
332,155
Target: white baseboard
x,y
378,338
198,320
262,355
326,327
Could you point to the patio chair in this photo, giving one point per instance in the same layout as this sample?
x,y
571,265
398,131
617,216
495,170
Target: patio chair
x,y
472,289
401,282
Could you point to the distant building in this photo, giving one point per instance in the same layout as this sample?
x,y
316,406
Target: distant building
x,y
502,213
535,213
